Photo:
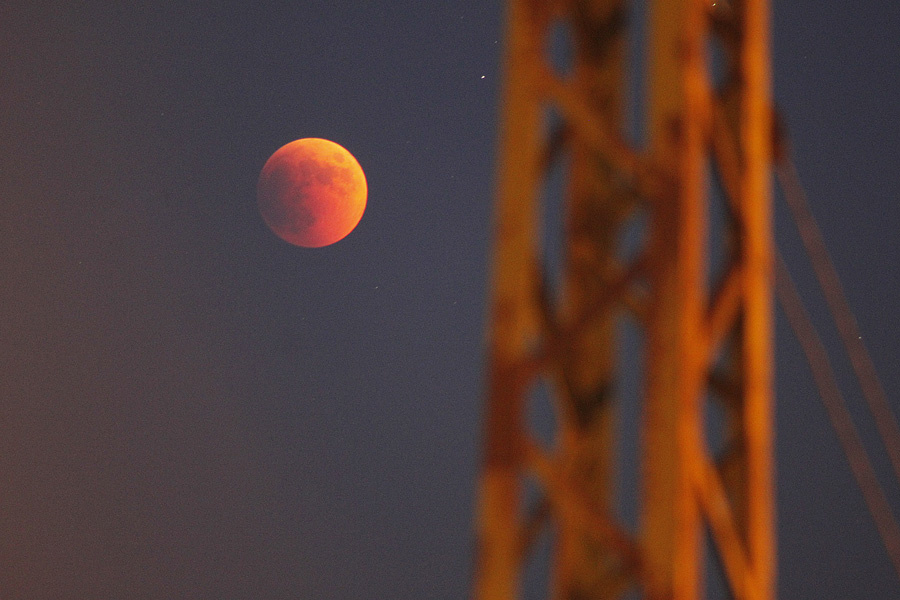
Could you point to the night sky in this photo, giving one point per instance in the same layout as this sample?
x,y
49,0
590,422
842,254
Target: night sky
x,y
192,408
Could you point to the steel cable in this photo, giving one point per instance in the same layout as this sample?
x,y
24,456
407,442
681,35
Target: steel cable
x,y
846,323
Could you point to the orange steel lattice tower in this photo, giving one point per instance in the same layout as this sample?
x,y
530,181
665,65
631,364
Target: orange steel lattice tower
x,y
706,334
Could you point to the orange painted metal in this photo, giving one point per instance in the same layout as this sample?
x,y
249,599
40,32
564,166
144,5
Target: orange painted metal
x,y
704,341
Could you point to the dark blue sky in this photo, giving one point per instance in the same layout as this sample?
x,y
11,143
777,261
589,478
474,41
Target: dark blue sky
x,y
191,408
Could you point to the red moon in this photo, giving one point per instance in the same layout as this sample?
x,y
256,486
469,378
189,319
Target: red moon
x,y
311,192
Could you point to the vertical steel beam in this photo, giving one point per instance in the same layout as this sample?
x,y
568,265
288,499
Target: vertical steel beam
x,y
513,323
678,119
689,322
755,135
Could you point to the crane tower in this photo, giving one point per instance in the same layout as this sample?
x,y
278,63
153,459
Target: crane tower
x,y
706,333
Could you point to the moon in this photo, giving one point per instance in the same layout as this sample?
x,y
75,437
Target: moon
x,y
312,192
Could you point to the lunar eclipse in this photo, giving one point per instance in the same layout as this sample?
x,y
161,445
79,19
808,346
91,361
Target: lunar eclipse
x,y
312,192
